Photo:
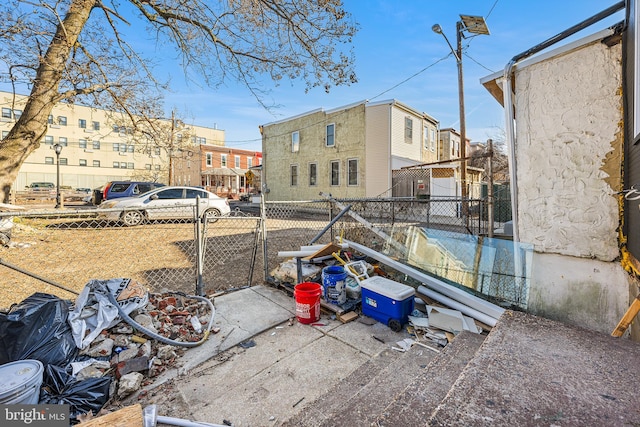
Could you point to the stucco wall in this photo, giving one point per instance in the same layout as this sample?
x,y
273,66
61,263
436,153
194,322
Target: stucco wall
x,y
378,149
568,115
568,150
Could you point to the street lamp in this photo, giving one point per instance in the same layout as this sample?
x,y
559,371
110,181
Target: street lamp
x,y
58,149
474,25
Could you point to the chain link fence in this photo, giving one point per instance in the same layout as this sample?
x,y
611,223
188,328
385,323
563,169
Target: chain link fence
x,y
59,251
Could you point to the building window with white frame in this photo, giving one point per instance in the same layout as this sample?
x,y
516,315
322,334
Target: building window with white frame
x,y
147,166
82,144
96,163
313,174
352,172
408,130
156,151
223,160
331,135
48,139
237,162
249,162
95,125
63,141
17,114
295,141
425,136
116,146
116,165
62,120
82,123
433,140
48,160
96,145
5,133
64,161
335,172
294,175
130,165
82,162
50,119
209,160
6,113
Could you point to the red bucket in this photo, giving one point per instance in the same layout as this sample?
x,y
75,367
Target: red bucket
x,y
307,296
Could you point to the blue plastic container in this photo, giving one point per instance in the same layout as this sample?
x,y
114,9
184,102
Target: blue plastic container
x,y
334,283
387,301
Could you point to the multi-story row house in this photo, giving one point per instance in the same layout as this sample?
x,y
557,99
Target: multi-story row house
x,y
349,152
96,149
230,172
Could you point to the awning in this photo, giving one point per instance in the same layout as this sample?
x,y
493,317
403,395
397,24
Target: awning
x,y
224,172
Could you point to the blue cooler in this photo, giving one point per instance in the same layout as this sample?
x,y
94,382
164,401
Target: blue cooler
x,y
387,301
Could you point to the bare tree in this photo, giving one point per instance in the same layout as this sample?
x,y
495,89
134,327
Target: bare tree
x,y
81,51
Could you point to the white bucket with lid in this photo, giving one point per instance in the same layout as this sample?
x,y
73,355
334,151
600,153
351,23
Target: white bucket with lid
x,y
21,381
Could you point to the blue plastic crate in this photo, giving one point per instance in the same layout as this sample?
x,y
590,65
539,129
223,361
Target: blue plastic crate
x,y
386,300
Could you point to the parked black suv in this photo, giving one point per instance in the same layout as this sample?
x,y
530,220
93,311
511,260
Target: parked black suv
x,y
116,189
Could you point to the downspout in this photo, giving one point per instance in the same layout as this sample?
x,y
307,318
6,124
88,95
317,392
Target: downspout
x,y
508,100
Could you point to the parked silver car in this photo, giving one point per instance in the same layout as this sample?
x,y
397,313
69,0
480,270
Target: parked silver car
x,y
176,202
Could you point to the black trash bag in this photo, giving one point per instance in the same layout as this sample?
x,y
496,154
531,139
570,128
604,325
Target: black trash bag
x,y
61,388
37,328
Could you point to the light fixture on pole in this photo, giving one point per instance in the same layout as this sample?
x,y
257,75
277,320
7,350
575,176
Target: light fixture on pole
x,y
58,149
474,25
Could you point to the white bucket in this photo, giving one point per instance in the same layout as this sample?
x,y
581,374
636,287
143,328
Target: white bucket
x,y
21,381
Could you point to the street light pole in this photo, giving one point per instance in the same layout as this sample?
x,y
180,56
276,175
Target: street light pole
x,y
58,149
475,25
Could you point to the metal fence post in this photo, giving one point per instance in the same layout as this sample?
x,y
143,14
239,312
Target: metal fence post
x,y
198,238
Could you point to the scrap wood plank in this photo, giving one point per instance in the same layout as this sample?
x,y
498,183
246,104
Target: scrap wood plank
x,y
628,317
347,317
129,416
327,249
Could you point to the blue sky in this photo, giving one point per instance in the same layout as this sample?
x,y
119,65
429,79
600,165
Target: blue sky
x,y
397,56
395,41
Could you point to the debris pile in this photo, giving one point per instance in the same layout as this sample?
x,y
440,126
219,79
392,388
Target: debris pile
x,y
126,351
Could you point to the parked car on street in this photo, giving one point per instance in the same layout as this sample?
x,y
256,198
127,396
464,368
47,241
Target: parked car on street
x,y
115,189
175,202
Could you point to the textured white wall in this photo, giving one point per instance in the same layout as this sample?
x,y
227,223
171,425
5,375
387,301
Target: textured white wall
x,y
568,112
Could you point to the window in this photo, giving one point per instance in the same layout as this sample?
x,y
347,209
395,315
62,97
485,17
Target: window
x,y
116,165
425,136
156,151
295,142
237,162
50,119
64,161
147,166
294,175
129,165
116,146
5,133
62,120
17,114
63,141
223,160
335,172
209,160
352,172
96,163
313,174
82,123
171,193
82,143
123,165
408,129
331,133
131,148
201,140
48,160
192,194
157,167
96,145
82,162
6,113
249,162
433,139
48,140
95,125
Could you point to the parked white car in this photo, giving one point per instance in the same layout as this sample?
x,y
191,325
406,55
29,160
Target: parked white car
x,y
175,202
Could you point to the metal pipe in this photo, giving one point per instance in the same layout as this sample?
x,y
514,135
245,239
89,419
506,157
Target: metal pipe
x,y
328,226
199,251
35,276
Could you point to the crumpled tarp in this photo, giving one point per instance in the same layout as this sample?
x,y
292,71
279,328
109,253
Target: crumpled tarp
x,y
94,312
